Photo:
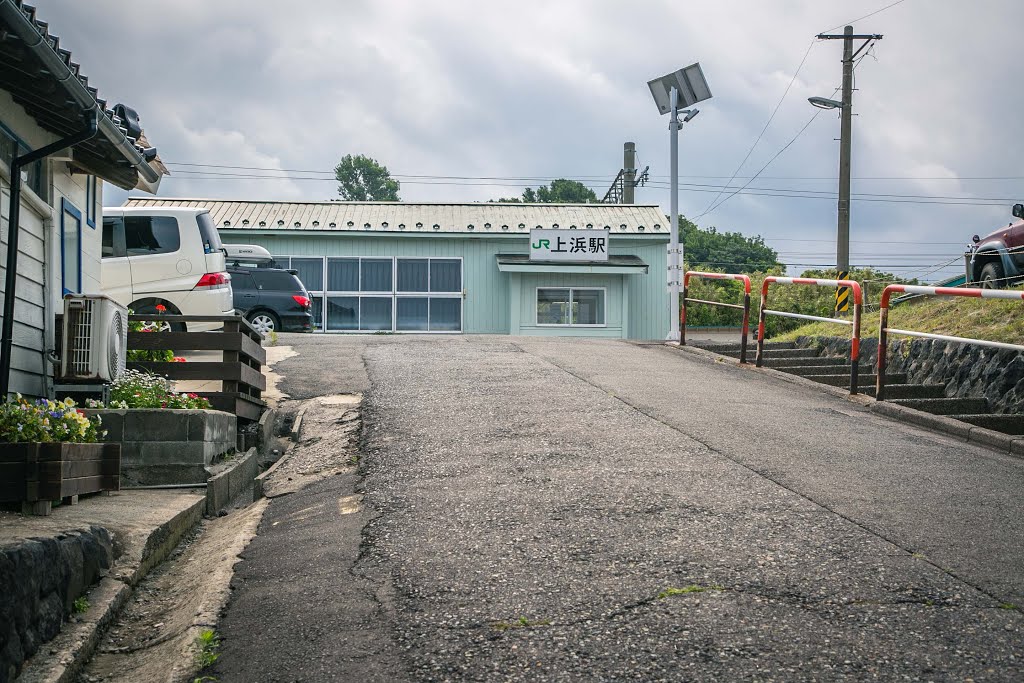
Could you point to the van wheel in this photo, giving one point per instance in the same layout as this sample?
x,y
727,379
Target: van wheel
x,y
992,276
263,322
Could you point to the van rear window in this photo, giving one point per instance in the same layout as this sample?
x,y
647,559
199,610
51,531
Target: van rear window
x,y
146,235
209,234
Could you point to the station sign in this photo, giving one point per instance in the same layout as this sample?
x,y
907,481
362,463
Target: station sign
x,y
568,245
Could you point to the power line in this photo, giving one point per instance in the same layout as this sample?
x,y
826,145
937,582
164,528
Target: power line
x,y
854,21
787,145
590,177
767,123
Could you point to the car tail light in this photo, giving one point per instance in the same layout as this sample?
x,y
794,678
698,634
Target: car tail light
x,y
302,301
213,281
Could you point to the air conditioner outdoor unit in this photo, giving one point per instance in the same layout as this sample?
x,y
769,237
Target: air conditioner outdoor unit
x,y
95,338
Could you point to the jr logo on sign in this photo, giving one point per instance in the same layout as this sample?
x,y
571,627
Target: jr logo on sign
x,y
565,245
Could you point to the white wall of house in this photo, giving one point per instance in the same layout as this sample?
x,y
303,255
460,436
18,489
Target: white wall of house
x,y
40,275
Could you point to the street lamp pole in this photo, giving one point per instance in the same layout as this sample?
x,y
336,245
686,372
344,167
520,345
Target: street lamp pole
x,y
674,249
687,87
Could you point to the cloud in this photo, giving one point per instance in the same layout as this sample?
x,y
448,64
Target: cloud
x,y
539,89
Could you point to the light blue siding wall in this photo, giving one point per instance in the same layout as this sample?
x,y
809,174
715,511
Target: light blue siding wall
x,y
488,296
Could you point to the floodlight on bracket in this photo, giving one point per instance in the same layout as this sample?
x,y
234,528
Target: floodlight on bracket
x,y
825,103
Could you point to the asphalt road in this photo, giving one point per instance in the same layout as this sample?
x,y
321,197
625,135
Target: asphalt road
x,y
595,510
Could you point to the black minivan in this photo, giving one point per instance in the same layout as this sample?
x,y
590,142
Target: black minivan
x,y
271,299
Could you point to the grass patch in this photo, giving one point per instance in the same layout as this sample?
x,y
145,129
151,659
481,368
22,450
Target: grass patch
x,y
521,622
208,643
989,319
80,605
686,590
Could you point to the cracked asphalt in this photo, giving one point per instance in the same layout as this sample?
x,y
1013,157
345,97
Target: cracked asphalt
x,y
570,510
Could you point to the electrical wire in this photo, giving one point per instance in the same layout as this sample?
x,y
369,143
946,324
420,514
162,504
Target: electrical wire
x,y
854,21
776,156
767,123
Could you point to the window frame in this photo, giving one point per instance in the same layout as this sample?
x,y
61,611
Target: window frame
x,y
91,187
66,209
571,290
284,260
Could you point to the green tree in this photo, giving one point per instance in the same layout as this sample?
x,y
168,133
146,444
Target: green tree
x,y
362,179
560,191
730,252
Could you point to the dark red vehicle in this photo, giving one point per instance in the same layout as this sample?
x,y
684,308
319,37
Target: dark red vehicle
x,y
997,259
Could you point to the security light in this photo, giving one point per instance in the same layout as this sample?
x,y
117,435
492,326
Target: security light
x,y
690,114
825,103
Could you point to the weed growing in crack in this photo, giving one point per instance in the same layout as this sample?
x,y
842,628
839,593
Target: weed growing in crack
x,y
208,643
692,588
1007,605
80,605
521,622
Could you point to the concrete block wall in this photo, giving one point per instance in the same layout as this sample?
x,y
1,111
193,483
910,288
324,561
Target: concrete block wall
x,y
40,579
160,446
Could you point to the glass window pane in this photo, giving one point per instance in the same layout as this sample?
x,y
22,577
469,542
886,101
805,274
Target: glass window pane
x,y
445,315
588,307
552,306
412,275
311,272
108,238
375,313
342,313
412,312
445,275
342,275
376,275
71,254
146,235
318,312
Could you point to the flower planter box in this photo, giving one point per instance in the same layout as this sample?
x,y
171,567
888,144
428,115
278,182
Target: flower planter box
x,y
38,473
161,446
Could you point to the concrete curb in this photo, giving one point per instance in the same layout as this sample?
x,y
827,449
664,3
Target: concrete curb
x,y
77,641
297,425
257,492
265,430
1005,443
224,487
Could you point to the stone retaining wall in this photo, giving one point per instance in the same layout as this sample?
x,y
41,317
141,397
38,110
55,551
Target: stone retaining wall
x,y
162,446
40,579
966,370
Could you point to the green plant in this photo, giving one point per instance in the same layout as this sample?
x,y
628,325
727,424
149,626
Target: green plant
x,y
149,355
46,420
521,622
273,338
80,605
208,643
136,389
693,588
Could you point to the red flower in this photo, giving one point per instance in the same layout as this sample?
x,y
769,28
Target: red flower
x,y
178,359
160,308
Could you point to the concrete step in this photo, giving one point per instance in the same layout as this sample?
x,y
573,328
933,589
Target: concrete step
x,y
812,370
1007,424
897,391
864,380
783,363
945,406
781,353
734,347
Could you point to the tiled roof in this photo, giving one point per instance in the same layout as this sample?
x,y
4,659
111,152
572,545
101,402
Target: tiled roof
x,y
480,217
60,106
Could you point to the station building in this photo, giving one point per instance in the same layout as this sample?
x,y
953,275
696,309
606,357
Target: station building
x,y
463,268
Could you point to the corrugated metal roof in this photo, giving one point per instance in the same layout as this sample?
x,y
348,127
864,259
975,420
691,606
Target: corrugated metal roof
x,y
479,217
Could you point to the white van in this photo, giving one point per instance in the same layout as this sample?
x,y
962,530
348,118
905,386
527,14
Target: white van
x,y
165,256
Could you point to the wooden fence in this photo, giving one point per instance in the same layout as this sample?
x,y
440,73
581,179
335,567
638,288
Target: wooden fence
x,y
239,370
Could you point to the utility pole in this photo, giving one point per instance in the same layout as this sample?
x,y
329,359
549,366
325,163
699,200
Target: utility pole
x,y
845,143
629,172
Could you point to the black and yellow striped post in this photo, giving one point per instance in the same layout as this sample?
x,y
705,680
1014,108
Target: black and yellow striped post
x,y
843,294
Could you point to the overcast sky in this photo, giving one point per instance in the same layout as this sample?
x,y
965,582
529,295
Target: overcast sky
x,y
552,88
